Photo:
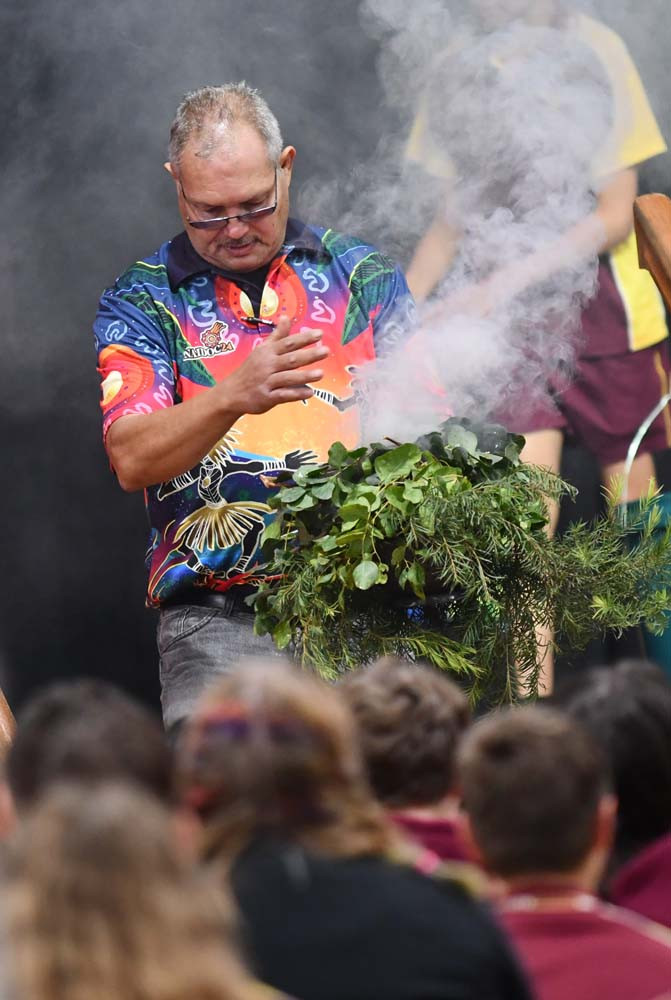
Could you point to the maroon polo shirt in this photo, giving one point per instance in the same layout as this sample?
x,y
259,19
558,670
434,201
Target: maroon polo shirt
x,y
442,836
587,951
644,883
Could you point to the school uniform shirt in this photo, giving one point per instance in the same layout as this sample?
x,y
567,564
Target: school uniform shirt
x,y
441,835
585,949
643,884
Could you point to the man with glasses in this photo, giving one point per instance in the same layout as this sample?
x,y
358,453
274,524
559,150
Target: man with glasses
x,y
253,324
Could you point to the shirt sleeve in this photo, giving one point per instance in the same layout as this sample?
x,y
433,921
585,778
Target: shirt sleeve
x,y
134,361
636,136
395,316
421,148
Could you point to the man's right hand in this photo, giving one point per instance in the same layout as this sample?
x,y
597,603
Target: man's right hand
x,y
277,371
153,448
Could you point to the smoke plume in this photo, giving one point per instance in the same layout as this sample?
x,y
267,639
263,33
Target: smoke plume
x,y
513,135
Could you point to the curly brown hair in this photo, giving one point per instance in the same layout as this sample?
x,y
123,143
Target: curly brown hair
x,y
410,720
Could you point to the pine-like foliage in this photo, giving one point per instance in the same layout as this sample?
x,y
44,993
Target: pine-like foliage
x,y
438,550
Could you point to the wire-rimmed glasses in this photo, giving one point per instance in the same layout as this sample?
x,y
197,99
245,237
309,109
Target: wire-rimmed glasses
x,y
223,220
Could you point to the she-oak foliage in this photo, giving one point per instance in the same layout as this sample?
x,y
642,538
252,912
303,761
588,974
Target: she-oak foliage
x,y
438,551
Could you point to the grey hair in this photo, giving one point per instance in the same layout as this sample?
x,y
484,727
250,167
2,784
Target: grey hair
x,y
209,113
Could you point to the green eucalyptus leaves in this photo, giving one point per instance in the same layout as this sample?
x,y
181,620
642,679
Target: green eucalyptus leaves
x,y
438,550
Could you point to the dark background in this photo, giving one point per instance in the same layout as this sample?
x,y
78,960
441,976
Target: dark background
x,y
89,90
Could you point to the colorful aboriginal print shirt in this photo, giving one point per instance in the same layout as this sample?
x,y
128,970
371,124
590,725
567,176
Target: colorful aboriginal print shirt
x,y
172,326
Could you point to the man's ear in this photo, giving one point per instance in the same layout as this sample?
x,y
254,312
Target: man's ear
x,y
286,161
169,167
606,818
8,818
469,841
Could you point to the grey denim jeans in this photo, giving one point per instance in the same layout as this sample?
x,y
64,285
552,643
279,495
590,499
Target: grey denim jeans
x,y
197,645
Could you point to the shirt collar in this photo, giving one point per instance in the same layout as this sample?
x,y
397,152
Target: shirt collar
x,y
184,262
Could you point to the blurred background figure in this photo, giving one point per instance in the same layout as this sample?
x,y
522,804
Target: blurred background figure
x,y
334,902
100,903
87,732
410,720
537,793
552,162
627,710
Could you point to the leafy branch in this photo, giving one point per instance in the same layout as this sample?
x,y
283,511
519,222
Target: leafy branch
x,y
438,550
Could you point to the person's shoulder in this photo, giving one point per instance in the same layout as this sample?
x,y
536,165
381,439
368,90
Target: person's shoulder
x,y
448,884
604,40
601,927
641,882
152,270
636,930
351,252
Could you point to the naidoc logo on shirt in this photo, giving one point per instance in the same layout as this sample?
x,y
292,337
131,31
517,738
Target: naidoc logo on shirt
x,y
213,340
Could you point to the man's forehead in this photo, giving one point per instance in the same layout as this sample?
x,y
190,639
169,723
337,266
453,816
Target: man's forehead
x,y
230,174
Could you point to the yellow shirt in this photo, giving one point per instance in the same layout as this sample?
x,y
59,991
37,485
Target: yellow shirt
x,y
636,138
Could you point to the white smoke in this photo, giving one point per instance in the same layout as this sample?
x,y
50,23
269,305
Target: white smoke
x,y
517,130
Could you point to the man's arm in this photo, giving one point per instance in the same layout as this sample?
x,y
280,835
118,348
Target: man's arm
x,y
146,449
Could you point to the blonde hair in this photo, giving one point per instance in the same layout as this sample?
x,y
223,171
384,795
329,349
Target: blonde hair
x,y
274,750
100,903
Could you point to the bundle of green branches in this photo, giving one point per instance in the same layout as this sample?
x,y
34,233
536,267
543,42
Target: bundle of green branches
x,y
439,551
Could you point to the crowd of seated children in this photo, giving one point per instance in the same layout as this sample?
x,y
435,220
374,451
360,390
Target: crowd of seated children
x,y
334,902
312,841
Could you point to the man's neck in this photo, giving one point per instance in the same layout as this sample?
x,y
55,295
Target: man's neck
x,y
580,880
